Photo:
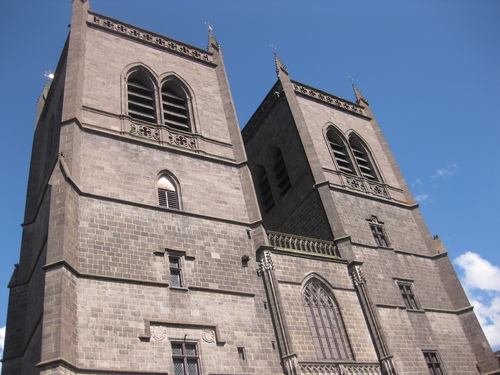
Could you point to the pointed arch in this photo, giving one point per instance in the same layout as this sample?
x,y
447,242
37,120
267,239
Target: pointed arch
x,y
176,103
141,94
363,157
324,320
339,150
168,191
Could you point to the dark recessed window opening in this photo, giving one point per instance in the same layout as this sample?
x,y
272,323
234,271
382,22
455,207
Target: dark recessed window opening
x,y
241,353
141,103
362,158
340,152
175,108
265,193
281,174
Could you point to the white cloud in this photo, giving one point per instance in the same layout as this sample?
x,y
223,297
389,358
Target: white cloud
x,y
421,198
2,340
479,273
447,171
481,281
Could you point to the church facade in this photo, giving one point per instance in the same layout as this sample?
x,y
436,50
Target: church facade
x,y
160,239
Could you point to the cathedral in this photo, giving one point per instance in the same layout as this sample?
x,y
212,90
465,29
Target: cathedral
x,y
159,238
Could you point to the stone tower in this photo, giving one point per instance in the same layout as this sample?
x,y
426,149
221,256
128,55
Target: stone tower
x,y
144,249
141,223
385,292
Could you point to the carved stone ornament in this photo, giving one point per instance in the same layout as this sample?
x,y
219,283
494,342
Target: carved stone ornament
x,y
357,275
158,333
266,262
208,335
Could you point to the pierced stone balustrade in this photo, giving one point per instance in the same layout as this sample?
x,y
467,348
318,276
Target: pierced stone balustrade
x,y
339,369
310,245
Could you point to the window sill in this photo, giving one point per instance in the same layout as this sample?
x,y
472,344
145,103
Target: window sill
x,y
416,311
179,289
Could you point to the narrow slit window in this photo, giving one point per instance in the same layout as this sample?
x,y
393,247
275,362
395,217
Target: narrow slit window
x,y
175,108
167,194
265,192
363,159
241,353
340,152
175,272
281,174
141,103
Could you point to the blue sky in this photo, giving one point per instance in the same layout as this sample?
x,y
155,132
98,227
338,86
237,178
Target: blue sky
x,y
430,70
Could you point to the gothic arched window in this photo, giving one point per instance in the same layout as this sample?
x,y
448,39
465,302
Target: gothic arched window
x,y
363,158
175,105
141,97
340,151
324,321
168,195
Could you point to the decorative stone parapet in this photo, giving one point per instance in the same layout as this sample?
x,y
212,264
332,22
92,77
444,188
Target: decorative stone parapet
x,y
162,134
340,369
149,37
328,98
310,245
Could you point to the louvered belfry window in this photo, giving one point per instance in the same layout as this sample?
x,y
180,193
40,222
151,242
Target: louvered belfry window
x,y
175,107
265,192
167,194
141,103
324,322
340,152
362,159
281,174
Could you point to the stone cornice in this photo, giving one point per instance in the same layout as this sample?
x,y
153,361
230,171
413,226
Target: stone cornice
x,y
150,38
329,99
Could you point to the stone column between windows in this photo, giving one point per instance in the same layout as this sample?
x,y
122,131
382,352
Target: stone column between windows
x,y
359,282
266,270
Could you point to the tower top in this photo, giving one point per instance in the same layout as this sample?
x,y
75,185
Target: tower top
x,y
212,42
359,97
280,67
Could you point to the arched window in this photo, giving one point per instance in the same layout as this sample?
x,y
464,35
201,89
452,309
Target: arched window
x,y
140,97
167,193
175,106
324,321
363,159
340,151
264,190
281,173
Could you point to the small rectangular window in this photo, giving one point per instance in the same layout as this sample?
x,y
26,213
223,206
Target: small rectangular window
x,y
378,232
408,296
241,353
433,362
175,272
185,357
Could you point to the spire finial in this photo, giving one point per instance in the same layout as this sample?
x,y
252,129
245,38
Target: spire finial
x,y
280,67
211,39
359,96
